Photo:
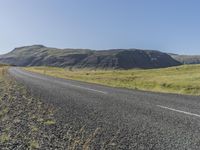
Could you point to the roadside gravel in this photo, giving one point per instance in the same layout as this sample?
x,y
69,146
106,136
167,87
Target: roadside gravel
x,y
27,123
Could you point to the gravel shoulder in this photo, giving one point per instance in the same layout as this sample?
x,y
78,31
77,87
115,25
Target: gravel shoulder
x,y
28,123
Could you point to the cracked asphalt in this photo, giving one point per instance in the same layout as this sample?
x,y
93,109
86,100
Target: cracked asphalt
x,y
126,119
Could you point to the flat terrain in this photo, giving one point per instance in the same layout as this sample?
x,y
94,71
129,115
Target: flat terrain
x,y
120,118
182,80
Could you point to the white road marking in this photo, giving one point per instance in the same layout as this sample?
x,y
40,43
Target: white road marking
x,y
65,83
86,88
180,111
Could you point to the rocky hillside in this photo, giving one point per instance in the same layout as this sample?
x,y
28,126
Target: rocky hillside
x,y
38,55
187,59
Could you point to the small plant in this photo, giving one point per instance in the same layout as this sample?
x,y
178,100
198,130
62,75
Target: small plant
x,y
4,138
34,128
86,145
49,122
34,144
3,112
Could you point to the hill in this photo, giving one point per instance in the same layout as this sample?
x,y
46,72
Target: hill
x,y
39,55
187,59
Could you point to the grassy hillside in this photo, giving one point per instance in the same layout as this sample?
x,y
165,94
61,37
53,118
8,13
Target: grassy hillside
x,y
183,79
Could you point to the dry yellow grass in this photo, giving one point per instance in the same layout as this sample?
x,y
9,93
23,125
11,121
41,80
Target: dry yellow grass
x,y
183,79
3,70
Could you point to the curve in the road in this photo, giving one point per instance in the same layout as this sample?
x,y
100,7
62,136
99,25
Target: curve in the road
x,y
143,120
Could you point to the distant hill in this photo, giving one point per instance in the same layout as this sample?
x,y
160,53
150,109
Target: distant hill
x,y
186,59
39,55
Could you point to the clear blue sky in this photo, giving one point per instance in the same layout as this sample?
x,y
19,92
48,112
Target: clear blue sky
x,y
166,25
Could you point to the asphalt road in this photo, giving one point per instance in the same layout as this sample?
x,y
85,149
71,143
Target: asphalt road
x,y
133,119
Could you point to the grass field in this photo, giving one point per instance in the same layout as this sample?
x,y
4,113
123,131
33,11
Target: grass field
x,y
183,79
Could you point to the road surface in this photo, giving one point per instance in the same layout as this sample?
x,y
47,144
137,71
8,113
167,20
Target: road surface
x,y
133,119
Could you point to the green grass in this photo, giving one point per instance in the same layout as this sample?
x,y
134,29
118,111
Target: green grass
x,y
49,122
183,79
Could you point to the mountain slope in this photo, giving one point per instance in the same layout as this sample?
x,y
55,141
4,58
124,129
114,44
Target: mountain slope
x,y
38,55
187,59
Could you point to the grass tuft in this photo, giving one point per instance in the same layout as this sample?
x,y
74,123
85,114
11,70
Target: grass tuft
x,y
49,122
34,144
4,138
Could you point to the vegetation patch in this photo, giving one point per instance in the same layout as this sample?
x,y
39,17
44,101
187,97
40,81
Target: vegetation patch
x,y
182,79
49,122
